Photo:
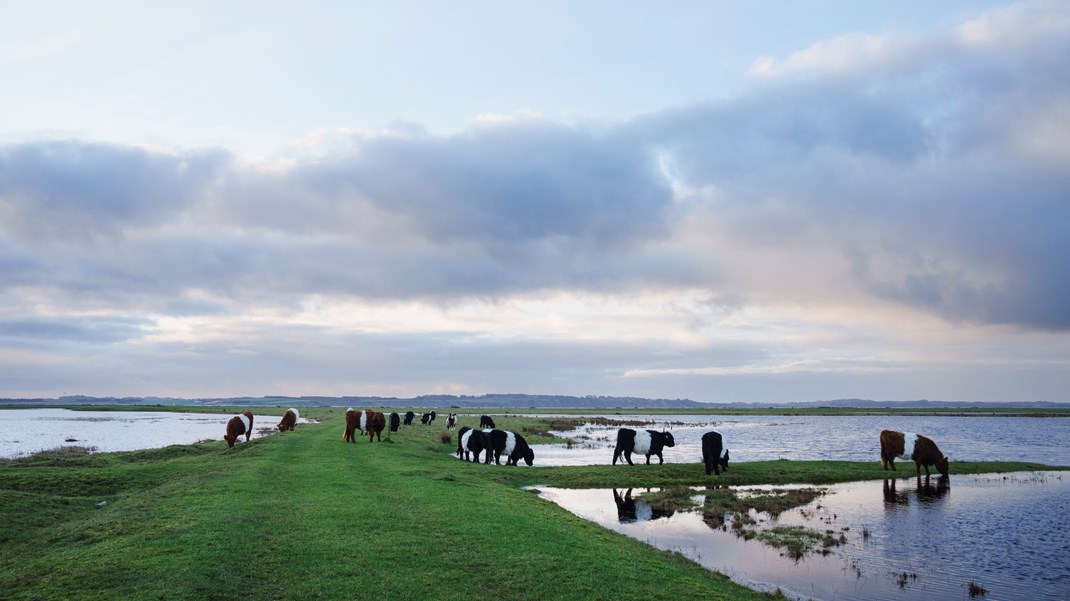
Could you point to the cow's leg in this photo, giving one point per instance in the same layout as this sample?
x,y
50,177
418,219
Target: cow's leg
x,y
628,456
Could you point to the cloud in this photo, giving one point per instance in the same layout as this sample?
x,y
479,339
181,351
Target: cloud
x,y
924,172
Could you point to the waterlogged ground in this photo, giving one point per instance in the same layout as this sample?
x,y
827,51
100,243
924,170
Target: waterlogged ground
x,y
845,438
27,431
1008,534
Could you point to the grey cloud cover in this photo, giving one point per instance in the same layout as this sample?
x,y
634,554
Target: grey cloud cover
x,y
933,203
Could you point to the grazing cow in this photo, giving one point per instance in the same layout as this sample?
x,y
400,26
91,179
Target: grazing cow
x,y
373,423
289,419
642,442
395,422
427,418
238,425
409,415
714,453
510,444
922,450
451,421
486,422
471,443
352,423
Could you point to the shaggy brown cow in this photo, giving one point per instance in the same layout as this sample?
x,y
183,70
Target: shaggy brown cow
x,y
365,420
374,425
922,450
238,425
352,423
289,419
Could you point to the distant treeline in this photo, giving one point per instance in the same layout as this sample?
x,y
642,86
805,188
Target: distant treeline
x,y
515,401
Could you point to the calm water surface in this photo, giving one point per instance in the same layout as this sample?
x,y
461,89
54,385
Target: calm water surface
x,y
26,431
846,438
1008,533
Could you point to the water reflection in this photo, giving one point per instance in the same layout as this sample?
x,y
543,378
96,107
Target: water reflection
x,y
631,510
898,494
908,539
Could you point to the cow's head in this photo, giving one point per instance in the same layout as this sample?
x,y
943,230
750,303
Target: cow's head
x,y
723,460
941,466
668,439
529,456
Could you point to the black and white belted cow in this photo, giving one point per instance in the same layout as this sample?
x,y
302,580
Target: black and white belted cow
x,y
470,443
714,453
451,421
641,442
510,444
427,418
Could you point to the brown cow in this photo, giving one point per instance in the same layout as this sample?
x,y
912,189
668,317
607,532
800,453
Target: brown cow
x,y
922,450
374,424
289,419
238,425
352,423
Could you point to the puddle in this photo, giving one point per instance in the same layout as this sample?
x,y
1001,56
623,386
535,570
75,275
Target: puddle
x,y
896,539
27,431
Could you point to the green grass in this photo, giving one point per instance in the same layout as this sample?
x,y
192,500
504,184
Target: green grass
x,y
302,515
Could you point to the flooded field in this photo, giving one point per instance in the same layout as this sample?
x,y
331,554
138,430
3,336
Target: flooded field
x,y
1007,536
844,438
27,431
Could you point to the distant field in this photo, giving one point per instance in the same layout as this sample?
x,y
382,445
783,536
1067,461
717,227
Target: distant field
x,y
832,411
302,515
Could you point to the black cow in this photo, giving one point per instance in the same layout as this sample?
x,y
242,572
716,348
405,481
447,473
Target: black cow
x,y
451,421
470,441
486,422
714,453
642,442
427,418
510,444
395,422
409,415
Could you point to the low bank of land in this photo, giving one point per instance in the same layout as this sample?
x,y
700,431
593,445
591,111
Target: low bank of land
x,y
302,515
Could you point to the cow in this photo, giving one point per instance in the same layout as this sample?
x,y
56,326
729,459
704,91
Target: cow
x,y
486,422
714,453
395,422
427,418
470,443
409,415
352,423
373,423
510,444
922,450
642,442
451,421
238,425
289,419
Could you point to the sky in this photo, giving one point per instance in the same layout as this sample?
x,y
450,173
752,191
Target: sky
x,y
720,201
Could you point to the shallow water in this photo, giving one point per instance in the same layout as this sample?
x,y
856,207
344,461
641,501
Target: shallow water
x,y
1009,533
846,438
26,431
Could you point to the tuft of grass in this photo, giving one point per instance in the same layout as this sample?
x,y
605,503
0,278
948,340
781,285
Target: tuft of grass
x,y
446,437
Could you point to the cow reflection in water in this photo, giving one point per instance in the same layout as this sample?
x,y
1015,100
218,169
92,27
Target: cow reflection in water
x,y
925,492
637,510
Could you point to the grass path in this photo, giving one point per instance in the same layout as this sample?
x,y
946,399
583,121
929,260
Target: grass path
x,y
303,515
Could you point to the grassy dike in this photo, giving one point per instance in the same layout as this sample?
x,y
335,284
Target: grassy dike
x,y
302,515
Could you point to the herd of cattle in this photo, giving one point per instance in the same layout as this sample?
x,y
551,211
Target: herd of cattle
x,y
495,443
